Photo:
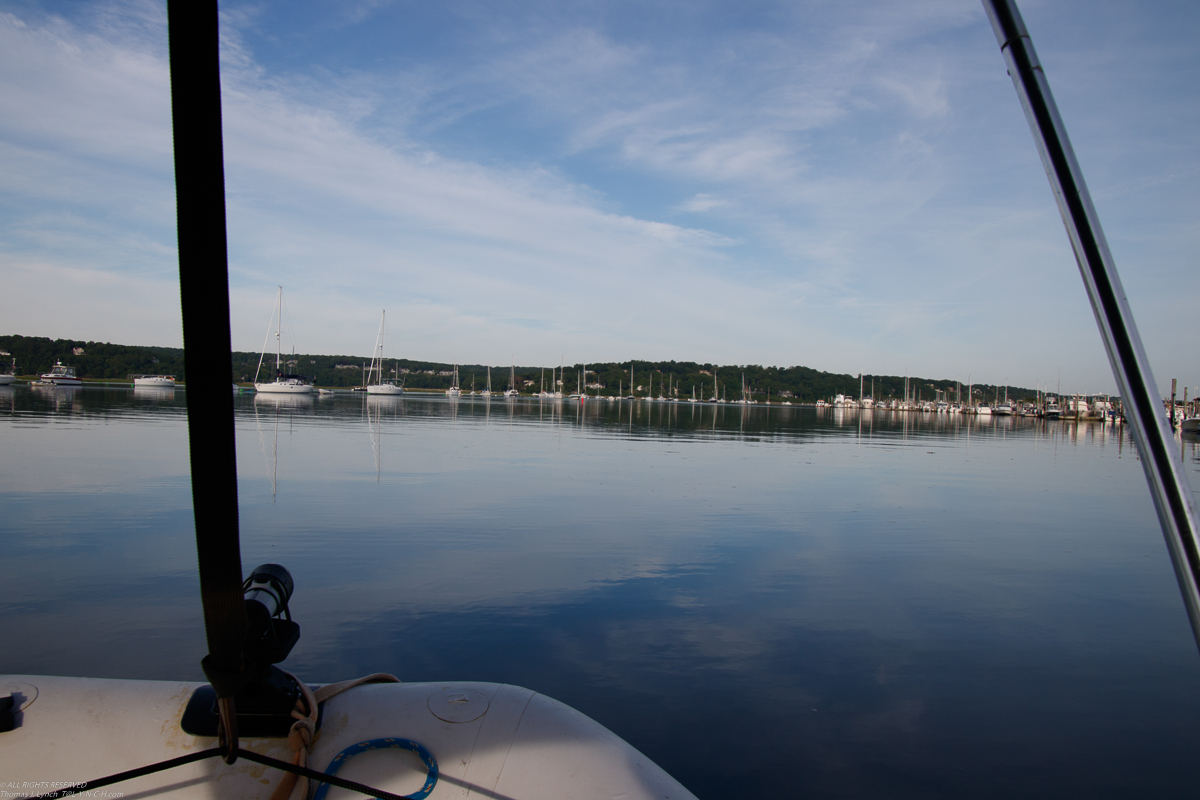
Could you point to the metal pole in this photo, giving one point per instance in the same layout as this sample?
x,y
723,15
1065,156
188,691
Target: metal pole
x,y
204,296
1171,413
1143,407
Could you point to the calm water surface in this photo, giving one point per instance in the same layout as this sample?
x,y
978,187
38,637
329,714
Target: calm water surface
x,y
764,601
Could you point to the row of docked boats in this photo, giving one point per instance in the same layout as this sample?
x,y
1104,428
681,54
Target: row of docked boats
x,y
1046,407
64,375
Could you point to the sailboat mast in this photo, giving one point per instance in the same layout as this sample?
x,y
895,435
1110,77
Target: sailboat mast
x,y
278,325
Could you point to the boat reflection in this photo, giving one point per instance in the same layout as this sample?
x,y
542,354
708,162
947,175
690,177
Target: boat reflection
x,y
155,393
63,397
274,400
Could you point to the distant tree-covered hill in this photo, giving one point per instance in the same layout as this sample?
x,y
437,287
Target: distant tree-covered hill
x,y
95,360
102,360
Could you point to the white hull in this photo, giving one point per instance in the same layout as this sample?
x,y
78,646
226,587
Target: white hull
x,y
283,387
488,739
7,380
385,389
157,381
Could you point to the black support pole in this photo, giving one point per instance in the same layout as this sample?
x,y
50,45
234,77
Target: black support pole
x,y
1140,396
204,296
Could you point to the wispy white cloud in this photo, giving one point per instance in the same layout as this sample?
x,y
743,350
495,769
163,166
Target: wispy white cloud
x,y
702,202
816,186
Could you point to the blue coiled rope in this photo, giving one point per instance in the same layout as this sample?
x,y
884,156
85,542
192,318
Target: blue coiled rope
x,y
379,744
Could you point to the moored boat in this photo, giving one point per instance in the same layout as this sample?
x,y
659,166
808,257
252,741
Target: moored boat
x,y
60,375
154,381
381,386
511,393
284,383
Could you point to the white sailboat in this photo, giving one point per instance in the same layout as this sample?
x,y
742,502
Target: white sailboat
x,y
743,400
454,391
381,387
488,391
283,383
1005,408
511,391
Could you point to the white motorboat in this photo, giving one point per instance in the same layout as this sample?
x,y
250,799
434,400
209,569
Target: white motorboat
x,y
283,383
381,386
154,381
60,375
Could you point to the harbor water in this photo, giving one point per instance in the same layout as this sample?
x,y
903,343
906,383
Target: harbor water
x,y
766,601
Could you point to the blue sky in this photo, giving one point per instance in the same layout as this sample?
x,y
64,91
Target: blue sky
x,y
847,186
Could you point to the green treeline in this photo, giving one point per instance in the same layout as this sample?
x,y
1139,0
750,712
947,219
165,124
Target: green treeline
x,y
95,360
101,361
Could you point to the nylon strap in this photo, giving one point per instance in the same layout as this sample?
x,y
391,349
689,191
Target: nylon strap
x,y
150,769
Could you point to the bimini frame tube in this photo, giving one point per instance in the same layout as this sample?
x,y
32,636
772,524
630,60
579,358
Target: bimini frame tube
x,y
204,299
1139,393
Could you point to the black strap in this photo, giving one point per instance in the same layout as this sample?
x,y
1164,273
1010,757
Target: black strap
x,y
204,296
150,769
